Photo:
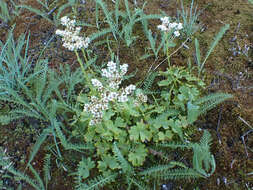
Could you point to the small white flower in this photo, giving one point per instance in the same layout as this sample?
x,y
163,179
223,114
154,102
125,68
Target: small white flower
x,y
165,20
65,20
166,26
122,98
112,96
123,69
129,89
162,28
173,25
113,85
96,83
176,33
111,66
180,26
142,97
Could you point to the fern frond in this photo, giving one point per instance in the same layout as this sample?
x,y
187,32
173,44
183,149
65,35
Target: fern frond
x,y
126,167
185,173
155,170
5,119
139,184
36,11
215,41
37,145
108,17
97,183
212,46
20,176
99,34
67,145
206,139
149,80
46,169
203,160
175,145
210,101
37,177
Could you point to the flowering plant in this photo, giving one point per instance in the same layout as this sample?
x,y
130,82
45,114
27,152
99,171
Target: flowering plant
x,y
170,30
115,114
71,39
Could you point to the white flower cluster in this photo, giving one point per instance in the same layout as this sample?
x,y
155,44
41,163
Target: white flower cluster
x,y
140,98
114,76
110,92
71,39
167,26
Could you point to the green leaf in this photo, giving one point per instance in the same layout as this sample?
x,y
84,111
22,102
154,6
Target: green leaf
x,y
168,134
176,127
215,42
197,52
130,109
161,121
141,132
108,162
138,155
161,136
119,122
192,112
84,167
108,114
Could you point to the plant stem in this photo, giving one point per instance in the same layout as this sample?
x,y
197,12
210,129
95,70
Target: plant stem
x,y
80,62
83,70
167,48
86,60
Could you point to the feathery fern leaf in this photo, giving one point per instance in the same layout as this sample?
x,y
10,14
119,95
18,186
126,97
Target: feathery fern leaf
x,y
139,184
210,101
155,170
97,183
185,173
46,169
126,167
66,144
149,80
37,145
37,177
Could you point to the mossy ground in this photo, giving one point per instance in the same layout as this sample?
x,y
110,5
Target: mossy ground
x,y
226,71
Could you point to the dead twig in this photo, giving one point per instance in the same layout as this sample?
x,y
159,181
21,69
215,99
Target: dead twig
x,y
243,141
218,124
245,122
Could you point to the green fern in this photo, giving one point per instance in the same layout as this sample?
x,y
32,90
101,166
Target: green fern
x,y
190,18
37,183
203,160
4,12
37,145
210,49
126,167
97,183
148,82
122,23
180,174
155,170
210,101
67,145
139,184
46,169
